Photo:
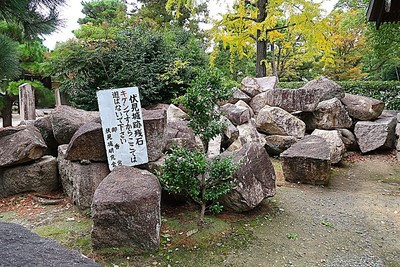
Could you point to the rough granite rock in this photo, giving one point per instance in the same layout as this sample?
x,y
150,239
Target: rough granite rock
x,y
239,95
231,132
20,145
79,181
307,161
155,127
241,103
303,99
66,120
276,144
331,114
379,134
176,114
45,128
236,114
126,211
276,121
363,108
247,134
250,86
254,180
21,247
87,144
334,140
179,133
349,139
38,176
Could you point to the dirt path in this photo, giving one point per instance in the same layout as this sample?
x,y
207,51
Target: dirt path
x,y
353,222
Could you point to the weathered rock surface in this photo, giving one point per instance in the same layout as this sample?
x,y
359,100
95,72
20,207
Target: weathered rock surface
x,y
308,118
349,139
66,120
39,176
126,211
331,114
379,134
179,133
239,95
155,127
307,161
267,83
276,144
20,145
21,247
388,113
363,108
247,134
250,86
176,114
236,114
276,121
303,99
214,147
231,132
79,181
241,103
334,140
255,178
45,128
87,144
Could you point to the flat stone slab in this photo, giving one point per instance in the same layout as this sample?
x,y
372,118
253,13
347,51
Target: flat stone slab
x,y
307,161
21,247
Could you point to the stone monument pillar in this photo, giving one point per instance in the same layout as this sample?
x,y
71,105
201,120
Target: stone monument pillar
x,y
26,102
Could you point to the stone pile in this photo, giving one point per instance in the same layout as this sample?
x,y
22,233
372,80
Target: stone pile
x,y
281,117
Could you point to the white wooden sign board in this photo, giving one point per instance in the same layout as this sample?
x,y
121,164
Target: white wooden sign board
x,y
123,129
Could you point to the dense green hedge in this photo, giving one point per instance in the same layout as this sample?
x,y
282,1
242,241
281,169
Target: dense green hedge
x,y
387,91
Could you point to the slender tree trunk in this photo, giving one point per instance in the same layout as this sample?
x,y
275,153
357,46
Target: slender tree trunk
x,y
203,198
274,62
6,111
261,70
397,73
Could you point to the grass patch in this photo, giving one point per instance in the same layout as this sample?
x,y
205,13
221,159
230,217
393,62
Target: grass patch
x,y
71,234
392,180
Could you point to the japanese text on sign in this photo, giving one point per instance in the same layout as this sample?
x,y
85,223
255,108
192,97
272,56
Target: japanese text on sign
x,y
121,119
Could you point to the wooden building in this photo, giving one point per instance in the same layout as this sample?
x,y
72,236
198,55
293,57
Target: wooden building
x,y
382,11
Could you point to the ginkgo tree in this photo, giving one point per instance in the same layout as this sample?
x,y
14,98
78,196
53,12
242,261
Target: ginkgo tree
x,y
279,24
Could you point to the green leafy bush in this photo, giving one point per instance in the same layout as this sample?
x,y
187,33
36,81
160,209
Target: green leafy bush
x,y
387,91
192,172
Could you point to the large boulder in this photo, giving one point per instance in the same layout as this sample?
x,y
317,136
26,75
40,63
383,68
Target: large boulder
x,y
363,108
231,131
239,95
241,103
178,133
331,114
155,127
276,144
379,134
45,128
349,139
334,140
303,99
236,114
80,179
20,145
274,120
87,143
253,86
254,179
176,114
126,211
66,120
21,247
307,161
39,176
247,134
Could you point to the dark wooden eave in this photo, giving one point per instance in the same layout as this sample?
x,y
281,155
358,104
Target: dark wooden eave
x,y
382,11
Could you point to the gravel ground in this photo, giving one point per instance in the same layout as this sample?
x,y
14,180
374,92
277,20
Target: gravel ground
x,y
355,221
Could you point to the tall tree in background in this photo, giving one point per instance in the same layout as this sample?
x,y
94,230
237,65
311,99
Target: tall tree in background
x,y
21,21
347,32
